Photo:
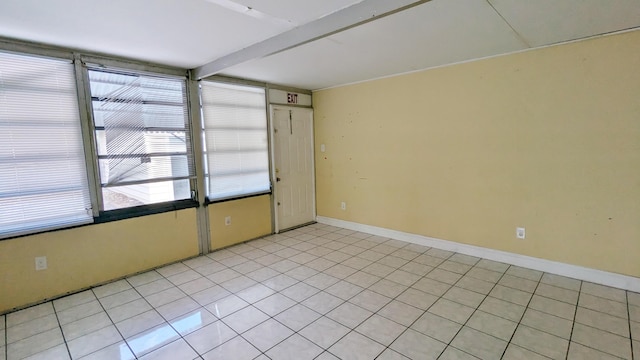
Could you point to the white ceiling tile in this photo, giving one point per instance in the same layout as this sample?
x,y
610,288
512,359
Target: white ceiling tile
x,y
432,34
543,22
185,33
298,12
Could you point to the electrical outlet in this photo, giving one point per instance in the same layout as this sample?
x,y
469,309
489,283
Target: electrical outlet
x,y
520,233
227,220
41,263
343,205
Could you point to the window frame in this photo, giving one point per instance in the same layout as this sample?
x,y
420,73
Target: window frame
x,y
114,66
28,51
225,81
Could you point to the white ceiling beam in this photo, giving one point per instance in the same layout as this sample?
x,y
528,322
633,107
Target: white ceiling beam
x,y
352,16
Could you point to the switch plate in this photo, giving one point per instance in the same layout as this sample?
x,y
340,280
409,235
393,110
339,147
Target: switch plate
x,y
227,220
41,263
520,233
343,205
322,148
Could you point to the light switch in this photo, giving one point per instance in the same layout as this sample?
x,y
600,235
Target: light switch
x,y
322,148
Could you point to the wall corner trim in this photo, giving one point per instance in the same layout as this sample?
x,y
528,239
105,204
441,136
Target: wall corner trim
x,y
573,271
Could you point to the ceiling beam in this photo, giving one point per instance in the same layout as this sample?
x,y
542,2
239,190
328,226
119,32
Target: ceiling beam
x,y
352,16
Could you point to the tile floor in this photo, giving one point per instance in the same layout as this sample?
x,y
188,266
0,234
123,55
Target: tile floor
x,y
321,292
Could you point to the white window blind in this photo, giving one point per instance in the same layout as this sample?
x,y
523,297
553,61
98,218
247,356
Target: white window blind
x,y
43,180
235,140
143,138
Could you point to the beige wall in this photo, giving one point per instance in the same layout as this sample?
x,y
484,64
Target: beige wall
x,y
85,256
548,139
250,218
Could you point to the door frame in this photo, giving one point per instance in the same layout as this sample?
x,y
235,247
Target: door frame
x,y
272,150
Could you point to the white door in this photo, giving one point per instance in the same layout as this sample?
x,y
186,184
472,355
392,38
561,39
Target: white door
x,y
292,134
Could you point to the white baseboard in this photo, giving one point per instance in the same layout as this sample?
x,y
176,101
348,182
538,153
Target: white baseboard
x,y
573,271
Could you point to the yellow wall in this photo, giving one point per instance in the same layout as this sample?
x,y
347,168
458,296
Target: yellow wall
x,y
548,139
85,256
250,218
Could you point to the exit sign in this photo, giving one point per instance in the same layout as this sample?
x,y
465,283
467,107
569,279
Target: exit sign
x,y
292,98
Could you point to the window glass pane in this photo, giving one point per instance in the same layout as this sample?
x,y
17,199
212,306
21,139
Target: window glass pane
x,y
142,138
43,180
235,138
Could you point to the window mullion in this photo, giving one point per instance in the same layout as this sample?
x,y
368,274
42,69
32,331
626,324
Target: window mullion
x,y
88,135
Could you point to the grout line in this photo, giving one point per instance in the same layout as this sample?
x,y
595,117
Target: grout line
x,y
112,323
626,293
526,307
64,338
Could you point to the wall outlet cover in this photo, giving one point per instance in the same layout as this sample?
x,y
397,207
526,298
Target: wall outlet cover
x,y
41,263
520,233
227,220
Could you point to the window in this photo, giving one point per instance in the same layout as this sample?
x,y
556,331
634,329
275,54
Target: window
x,y
235,140
43,179
142,138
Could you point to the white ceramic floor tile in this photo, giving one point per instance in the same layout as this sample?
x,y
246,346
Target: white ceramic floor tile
x,y
540,342
557,293
579,352
139,323
603,321
179,307
607,306
30,328
451,310
152,339
418,346
437,327
492,325
561,281
178,349
548,323
128,310
380,329
154,286
59,352
274,304
267,334
479,344
192,321
183,277
210,295
515,352
85,326
602,291
324,332
111,288
322,302
502,308
79,312
172,269
121,298
210,336
400,312
295,348
464,296
29,314
389,354
297,317
357,347
93,342
236,348
349,315
226,306
195,286
602,340
255,293
299,292
73,300
165,296
245,319
34,344
144,278
451,353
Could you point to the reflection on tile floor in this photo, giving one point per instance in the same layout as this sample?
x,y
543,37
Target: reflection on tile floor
x,y
322,292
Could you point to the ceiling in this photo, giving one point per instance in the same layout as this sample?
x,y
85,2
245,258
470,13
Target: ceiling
x,y
193,33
